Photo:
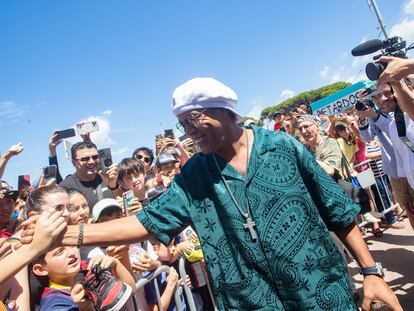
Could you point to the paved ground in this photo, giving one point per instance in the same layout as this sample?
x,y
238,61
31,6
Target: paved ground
x,y
395,250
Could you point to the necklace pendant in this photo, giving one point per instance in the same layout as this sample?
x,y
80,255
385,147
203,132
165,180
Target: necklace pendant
x,y
250,225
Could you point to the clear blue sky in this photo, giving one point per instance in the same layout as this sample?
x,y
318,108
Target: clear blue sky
x,y
64,61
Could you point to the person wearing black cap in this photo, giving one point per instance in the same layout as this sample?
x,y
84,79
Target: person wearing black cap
x,y
8,198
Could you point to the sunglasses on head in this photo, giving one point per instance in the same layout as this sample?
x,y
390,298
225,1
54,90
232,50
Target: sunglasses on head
x,y
145,159
85,159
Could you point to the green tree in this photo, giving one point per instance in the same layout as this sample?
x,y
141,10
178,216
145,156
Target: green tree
x,y
304,98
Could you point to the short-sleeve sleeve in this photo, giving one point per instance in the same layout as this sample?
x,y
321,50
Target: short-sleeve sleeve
x,y
331,154
336,208
168,215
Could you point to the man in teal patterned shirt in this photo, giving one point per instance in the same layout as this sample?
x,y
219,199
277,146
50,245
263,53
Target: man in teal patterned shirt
x,y
262,208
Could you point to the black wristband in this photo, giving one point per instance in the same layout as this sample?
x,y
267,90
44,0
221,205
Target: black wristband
x,y
114,188
80,236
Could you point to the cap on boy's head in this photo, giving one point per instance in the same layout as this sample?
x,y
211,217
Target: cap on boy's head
x,y
102,205
7,191
306,118
202,93
164,158
339,125
249,122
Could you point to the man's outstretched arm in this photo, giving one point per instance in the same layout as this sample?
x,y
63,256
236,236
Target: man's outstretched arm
x,y
115,232
375,288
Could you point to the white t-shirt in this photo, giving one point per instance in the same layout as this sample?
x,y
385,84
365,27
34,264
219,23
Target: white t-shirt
x,y
404,156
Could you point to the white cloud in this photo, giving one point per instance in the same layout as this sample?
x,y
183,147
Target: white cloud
x,y
360,61
338,75
324,72
405,28
286,94
409,8
107,112
10,112
256,110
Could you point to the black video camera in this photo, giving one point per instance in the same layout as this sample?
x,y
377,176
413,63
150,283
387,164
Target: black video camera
x,y
362,104
394,46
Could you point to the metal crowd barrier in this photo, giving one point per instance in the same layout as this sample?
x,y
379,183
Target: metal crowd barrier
x,y
152,277
366,179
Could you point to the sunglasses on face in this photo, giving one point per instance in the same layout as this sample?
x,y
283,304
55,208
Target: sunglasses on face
x,y
86,159
192,120
143,158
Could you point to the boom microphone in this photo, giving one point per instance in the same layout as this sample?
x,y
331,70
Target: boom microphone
x,y
368,47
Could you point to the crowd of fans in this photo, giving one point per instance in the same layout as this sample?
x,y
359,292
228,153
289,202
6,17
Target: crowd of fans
x,y
39,274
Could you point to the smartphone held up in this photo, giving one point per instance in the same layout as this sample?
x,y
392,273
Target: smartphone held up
x,y
87,127
105,159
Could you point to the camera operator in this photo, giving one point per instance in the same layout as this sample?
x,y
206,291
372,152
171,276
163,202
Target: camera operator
x,y
396,73
381,123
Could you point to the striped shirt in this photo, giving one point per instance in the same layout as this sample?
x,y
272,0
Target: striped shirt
x,y
376,165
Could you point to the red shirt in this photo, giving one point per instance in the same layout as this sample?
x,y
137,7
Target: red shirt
x,y
278,126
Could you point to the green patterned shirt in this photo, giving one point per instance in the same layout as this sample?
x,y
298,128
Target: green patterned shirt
x,y
294,264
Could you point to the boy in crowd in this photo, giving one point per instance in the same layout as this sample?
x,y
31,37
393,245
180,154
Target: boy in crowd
x,y
131,176
73,285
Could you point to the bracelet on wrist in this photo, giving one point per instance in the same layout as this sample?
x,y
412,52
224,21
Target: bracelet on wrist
x,y
80,235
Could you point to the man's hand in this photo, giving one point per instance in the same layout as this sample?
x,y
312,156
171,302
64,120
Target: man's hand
x,y
111,175
13,150
375,289
397,68
368,113
53,143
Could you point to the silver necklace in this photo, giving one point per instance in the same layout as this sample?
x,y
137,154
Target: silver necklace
x,y
249,224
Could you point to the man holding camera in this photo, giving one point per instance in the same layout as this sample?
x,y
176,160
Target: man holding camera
x,y
397,74
381,123
88,179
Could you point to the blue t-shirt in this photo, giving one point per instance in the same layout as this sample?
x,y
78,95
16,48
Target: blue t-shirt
x,y
57,299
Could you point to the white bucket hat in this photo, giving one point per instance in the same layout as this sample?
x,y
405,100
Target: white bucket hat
x,y
202,93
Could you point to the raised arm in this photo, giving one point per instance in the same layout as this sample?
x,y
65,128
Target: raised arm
x,y
12,151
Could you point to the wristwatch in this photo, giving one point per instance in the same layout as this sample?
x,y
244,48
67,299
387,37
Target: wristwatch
x,y
375,270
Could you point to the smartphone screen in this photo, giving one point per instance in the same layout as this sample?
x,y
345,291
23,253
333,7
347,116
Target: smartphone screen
x,y
105,159
65,133
22,182
127,197
169,133
87,127
50,172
